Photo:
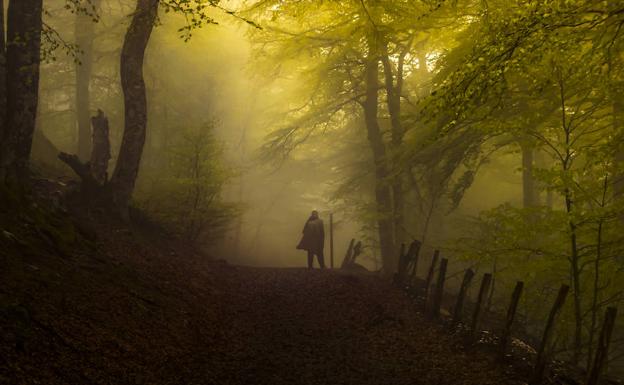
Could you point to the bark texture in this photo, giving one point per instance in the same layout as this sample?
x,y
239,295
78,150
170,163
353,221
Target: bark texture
x,y
383,194
393,80
135,101
22,85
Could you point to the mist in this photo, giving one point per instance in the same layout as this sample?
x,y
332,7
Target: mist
x,y
487,135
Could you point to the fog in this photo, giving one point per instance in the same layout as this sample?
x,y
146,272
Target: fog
x,y
490,132
220,76
210,78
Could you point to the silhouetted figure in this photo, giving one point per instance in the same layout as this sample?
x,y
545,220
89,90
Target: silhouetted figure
x,y
313,240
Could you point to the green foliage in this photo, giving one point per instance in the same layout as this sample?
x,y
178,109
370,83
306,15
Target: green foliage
x,y
52,41
197,14
545,77
542,75
185,194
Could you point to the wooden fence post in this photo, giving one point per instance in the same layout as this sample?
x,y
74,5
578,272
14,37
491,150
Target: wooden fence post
x,y
483,291
463,290
511,315
414,255
439,291
357,250
434,263
540,363
602,349
347,257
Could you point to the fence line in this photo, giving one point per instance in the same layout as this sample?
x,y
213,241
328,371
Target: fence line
x,y
433,296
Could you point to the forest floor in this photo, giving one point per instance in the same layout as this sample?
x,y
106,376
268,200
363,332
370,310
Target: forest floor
x,y
125,305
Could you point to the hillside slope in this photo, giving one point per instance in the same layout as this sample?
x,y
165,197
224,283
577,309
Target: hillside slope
x,y
131,307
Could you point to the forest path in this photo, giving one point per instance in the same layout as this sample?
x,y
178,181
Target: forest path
x,y
141,309
294,326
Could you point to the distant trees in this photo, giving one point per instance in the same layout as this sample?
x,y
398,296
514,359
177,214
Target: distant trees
x,y
357,57
540,82
84,31
120,187
135,43
184,195
544,75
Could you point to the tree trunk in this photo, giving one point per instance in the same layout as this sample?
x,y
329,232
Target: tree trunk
x,y
575,277
100,153
393,99
22,77
3,85
135,101
529,193
383,195
85,33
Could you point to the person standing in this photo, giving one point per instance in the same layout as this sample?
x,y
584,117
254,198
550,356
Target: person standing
x,y
313,240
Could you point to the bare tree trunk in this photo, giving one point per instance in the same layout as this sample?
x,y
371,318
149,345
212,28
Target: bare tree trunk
x,y
393,85
22,77
85,33
529,193
575,275
135,101
383,195
575,257
543,161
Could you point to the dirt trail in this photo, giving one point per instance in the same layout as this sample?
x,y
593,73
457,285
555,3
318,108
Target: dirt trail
x,y
135,309
293,326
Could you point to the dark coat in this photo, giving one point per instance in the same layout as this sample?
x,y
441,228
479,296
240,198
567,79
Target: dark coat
x,y
313,236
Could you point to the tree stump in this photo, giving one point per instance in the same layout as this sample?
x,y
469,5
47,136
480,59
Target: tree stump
x,y
93,174
100,149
